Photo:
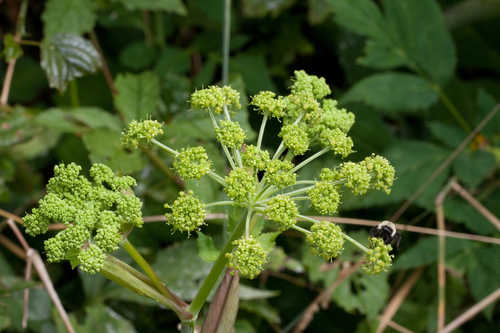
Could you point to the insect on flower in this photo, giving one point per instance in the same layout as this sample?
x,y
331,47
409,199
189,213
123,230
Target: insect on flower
x,y
386,230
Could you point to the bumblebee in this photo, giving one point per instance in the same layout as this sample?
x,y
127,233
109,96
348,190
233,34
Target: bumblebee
x,y
386,230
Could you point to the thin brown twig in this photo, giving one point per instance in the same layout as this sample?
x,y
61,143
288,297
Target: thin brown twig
x,y
476,204
26,296
12,247
398,299
105,68
398,327
445,163
18,235
441,268
9,215
471,312
312,308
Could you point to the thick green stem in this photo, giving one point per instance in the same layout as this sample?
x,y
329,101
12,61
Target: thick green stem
x,y
215,272
220,203
226,37
217,178
139,259
261,131
126,276
310,159
164,147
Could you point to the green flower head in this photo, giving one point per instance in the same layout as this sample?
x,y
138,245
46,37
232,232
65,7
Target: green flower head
x,y
240,185
95,211
326,240
378,259
256,158
192,163
188,213
230,134
279,173
305,83
139,132
382,172
268,104
324,197
337,141
295,138
215,98
356,177
282,209
248,257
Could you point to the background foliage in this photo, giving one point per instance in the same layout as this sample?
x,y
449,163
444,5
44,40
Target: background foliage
x,y
418,74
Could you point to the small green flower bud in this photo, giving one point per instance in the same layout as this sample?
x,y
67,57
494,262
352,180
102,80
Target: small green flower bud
x,y
240,185
214,99
248,257
311,84
356,177
91,259
192,163
282,209
382,172
295,138
54,249
324,197
297,104
266,102
36,223
279,173
378,259
108,235
230,134
140,132
188,213
128,207
329,175
326,240
337,141
254,157
333,117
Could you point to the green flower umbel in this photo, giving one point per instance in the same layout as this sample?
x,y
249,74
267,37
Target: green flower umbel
x,y
214,99
140,132
248,257
282,210
96,212
326,240
240,185
188,213
192,163
378,259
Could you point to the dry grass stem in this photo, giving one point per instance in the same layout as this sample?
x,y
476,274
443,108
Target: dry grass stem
x,y
26,296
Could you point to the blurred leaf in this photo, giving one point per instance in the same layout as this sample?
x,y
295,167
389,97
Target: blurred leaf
x,y
393,92
425,252
243,326
486,103
66,57
4,322
37,145
99,319
77,119
278,260
137,56
473,167
105,147
458,210
68,17
206,247
254,72
380,54
267,240
174,60
16,127
11,49
262,309
176,90
174,6
138,95
419,30
318,11
28,82
361,16
450,135
189,272
249,293
259,8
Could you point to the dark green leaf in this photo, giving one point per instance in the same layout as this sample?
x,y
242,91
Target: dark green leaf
x,y
174,6
380,54
174,60
319,11
361,16
393,92
206,247
418,28
68,17
138,95
11,49
473,167
254,71
66,57
450,135
137,56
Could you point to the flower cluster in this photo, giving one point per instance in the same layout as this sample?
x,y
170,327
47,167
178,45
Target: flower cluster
x,y
267,183
378,257
95,212
140,132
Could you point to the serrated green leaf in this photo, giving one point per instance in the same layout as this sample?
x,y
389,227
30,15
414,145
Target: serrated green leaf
x,y
66,57
11,49
206,247
189,272
68,17
105,147
393,92
174,6
138,95
361,16
380,54
419,30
